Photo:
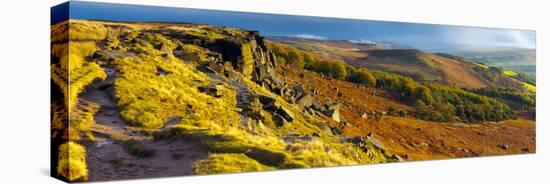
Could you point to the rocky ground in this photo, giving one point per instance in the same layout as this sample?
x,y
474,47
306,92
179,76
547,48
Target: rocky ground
x,y
365,110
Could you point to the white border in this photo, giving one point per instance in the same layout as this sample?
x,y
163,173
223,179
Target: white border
x,y
24,95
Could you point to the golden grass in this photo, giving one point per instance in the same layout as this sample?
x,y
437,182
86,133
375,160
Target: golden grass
x,y
72,162
90,31
81,119
530,87
73,72
148,100
229,163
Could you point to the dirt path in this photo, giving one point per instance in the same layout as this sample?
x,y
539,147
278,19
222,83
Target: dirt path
x,y
107,158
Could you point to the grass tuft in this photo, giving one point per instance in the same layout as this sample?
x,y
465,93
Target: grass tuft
x,y
72,162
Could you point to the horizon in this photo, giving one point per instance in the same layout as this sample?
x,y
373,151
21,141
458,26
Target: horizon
x,y
428,37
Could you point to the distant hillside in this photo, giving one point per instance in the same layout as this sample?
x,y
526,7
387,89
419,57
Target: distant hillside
x,y
421,66
515,59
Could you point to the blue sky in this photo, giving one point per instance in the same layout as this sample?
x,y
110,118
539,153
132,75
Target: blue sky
x,y
421,36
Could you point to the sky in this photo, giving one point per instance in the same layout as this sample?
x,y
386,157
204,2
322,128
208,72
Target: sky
x,y
420,36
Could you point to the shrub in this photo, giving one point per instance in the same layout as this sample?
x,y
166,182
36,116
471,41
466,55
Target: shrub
x,y
335,69
295,58
362,77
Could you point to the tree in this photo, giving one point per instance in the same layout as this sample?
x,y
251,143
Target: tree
x,y
424,94
363,77
338,70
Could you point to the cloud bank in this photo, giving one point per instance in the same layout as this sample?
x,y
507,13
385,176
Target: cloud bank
x,y
309,36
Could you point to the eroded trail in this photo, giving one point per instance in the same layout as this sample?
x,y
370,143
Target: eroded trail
x,y
107,157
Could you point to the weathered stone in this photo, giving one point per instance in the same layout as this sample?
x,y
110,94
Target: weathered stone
x,y
163,47
279,120
397,157
216,67
285,114
299,90
336,131
305,100
363,142
315,91
364,115
215,90
376,142
301,138
161,72
266,99
317,106
505,146
333,111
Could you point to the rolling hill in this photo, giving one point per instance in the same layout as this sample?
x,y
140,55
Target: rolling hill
x,y
421,66
515,59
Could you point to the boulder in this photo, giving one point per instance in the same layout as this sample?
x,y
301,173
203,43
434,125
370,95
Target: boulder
x,y
364,115
185,54
333,111
285,114
305,100
336,131
216,67
161,72
376,142
397,158
299,90
279,120
317,106
266,99
364,142
268,103
315,91
215,90
505,146
163,47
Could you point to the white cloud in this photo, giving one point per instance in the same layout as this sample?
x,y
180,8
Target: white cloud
x,y
362,41
309,36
